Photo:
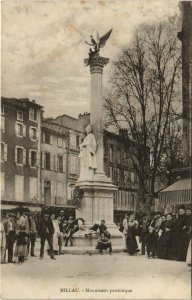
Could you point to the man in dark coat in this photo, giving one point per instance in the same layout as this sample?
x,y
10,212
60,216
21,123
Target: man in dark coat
x,y
143,233
46,231
10,234
151,243
180,238
32,233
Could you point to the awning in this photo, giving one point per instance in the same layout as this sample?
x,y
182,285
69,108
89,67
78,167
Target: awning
x,y
177,193
11,206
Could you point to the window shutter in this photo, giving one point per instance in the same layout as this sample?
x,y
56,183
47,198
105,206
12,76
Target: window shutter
x,y
37,134
2,123
43,137
42,160
64,163
56,166
53,193
52,162
37,160
51,139
16,129
5,152
76,165
30,133
42,190
72,164
64,143
30,157
24,130
16,154
24,156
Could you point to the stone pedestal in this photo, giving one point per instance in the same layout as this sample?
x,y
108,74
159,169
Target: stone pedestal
x,y
97,205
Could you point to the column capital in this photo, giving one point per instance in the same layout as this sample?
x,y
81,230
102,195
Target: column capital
x,y
96,63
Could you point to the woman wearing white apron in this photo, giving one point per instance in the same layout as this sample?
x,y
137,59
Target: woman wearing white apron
x,y
188,259
56,234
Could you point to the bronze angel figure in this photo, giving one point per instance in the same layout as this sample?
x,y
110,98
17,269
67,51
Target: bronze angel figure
x,y
100,41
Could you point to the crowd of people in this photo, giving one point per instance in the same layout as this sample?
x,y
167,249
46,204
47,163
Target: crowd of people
x,y
158,235
19,233
161,236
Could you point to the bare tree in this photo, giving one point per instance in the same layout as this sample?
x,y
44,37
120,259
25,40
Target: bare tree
x,y
143,96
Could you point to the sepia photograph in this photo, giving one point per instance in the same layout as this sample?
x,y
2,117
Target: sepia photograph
x,y
96,143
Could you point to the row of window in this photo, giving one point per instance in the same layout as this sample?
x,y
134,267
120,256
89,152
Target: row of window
x,y
61,142
19,187
48,160
20,130
115,155
58,163
124,199
20,114
128,176
49,139
20,155
53,162
57,190
48,188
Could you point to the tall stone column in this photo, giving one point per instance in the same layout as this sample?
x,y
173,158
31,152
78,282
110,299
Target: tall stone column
x,y
96,109
97,201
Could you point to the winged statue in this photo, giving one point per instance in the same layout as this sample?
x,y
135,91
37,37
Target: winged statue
x,y
100,43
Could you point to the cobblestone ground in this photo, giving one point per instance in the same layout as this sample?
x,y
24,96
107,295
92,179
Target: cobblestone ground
x,y
117,277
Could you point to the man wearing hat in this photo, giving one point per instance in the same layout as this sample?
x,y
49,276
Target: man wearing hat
x,y
46,231
23,220
61,219
10,234
180,238
32,233
143,233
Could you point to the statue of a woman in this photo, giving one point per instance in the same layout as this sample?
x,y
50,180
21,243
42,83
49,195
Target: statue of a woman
x,y
87,155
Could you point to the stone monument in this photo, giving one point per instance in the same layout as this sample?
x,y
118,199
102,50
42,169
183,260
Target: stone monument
x,y
98,190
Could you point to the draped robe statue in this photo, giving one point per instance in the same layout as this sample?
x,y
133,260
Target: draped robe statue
x,y
88,163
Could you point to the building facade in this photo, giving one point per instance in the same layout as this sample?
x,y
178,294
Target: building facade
x,y
180,191
117,164
40,159
20,149
186,40
53,164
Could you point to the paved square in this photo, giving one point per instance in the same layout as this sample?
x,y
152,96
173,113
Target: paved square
x,y
96,277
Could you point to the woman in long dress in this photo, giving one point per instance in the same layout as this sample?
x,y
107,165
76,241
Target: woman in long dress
x,y
87,155
167,251
3,243
131,236
56,234
189,258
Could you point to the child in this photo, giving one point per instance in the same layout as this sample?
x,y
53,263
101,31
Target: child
x,y
21,246
69,231
103,229
150,242
103,244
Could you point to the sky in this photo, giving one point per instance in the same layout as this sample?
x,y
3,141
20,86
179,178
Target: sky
x,y
43,46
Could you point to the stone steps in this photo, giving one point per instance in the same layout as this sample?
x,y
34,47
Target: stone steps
x,y
76,250
88,250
